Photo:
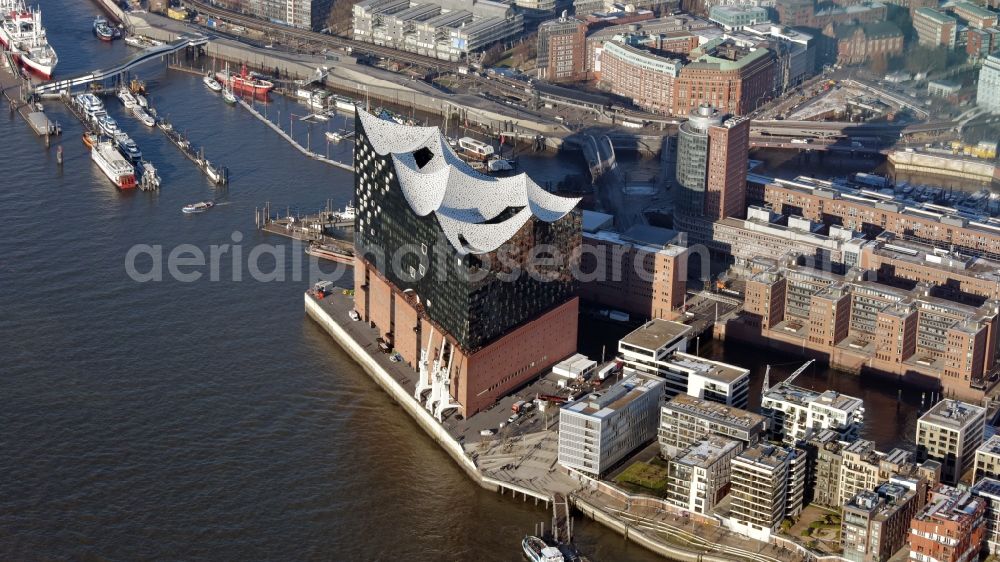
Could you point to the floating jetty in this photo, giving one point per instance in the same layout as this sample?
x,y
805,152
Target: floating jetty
x,y
12,84
217,175
292,141
324,227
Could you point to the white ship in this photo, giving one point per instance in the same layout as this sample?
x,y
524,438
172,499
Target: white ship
x,y
126,97
113,164
537,551
344,103
143,116
22,33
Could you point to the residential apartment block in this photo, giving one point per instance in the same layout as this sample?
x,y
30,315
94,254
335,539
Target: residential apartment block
x,y
950,528
950,433
685,420
600,429
698,477
794,413
986,463
876,523
767,485
935,28
989,490
988,92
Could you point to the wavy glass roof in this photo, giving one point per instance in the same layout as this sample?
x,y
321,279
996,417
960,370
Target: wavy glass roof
x,y
467,204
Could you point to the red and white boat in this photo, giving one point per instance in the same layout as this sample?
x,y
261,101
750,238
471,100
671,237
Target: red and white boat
x,y
22,33
113,164
245,82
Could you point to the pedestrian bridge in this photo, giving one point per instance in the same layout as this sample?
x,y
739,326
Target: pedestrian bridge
x,y
131,62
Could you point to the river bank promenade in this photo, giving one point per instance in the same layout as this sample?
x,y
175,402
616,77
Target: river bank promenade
x,y
521,459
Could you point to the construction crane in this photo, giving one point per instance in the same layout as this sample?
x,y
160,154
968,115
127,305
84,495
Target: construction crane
x,y
791,377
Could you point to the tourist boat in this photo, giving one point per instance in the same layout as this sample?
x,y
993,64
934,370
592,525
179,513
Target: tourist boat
x,y
89,103
537,551
113,164
212,84
108,125
144,117
150,179
90,139
129,149
333,136
103,29
228,97
126,97
22,33
245,82
199,207
333,253
141,101
213,174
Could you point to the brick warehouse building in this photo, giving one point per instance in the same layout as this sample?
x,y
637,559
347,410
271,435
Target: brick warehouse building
x,y
446,304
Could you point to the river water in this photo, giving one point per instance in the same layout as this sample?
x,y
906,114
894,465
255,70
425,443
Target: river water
x,y
208,419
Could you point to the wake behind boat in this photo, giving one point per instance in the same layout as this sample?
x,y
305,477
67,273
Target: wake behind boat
x,y
199,207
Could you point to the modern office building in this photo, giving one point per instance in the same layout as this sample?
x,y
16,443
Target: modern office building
x,y
642,271
765,233
988,92
876,523
561,50
794,413
445,29
731,77
953,274
685,420
950,433
765,488
935,28
600,429
712,153
950,528
427,273
856,323
698,476
986,463
989,490
658,348
738,17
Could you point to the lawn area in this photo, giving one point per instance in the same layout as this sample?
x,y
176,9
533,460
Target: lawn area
x,y
645,477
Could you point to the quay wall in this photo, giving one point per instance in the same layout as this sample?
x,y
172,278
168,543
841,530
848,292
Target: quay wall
x,y
943,165
427,422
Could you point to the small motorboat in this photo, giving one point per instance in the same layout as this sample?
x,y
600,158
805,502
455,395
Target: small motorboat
x,y
537,551
141,100
228,97
199,207
212,84
90,139
141,115
126,97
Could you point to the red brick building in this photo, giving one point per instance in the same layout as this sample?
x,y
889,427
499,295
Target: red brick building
x,y
729,77
561,50
950,528
859,43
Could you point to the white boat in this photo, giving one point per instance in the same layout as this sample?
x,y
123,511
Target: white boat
x,y
499,165
319,100
126,97
304,94
199,207
108,125
347,214
334,136
212,173
113,164
228,97
134,41
212,84
320,116
474,148
344,103
89,103
537,551
129,149
166,126
144,117
141,101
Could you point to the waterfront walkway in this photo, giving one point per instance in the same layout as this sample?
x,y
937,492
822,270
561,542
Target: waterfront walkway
x,y
522,458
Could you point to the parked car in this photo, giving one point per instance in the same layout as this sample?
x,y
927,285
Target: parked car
x,y
354,315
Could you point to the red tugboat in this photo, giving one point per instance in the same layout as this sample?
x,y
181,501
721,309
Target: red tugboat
x,y
245,82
